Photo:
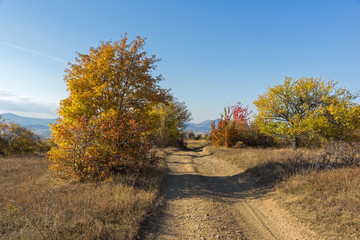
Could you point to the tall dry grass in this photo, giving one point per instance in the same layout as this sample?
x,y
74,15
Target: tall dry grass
x,y
328,201
34,205
269,165
196,144
272,165
321,187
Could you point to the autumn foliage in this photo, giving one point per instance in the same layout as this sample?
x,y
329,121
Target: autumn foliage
x,y
240,114
18,140
308,109
166,123
105,123
97,148
234,129
234,120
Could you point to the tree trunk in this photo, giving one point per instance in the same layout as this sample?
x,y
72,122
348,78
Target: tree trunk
x,y
295,142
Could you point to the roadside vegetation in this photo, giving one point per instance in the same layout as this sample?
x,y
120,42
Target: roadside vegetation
x,y
303,143
103,174
36,205
319,186
115,113
103,171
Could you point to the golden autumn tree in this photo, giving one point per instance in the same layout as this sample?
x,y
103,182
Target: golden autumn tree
x,y
115,75
167,123
101,128
308,106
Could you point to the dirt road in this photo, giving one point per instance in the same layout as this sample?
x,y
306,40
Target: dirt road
x,y
209,198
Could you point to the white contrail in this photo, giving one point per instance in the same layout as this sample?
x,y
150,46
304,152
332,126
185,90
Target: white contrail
x,y
33,52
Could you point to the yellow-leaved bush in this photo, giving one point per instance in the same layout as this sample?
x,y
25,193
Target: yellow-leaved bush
x,y
308,107
102,127
17,140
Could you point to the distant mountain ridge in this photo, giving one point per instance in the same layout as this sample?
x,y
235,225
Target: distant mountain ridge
x,y
39,125
203,127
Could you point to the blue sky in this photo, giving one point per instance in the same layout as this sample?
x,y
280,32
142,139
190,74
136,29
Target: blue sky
x,y
214,53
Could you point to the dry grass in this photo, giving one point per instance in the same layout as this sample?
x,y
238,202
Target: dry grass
x,y
244,158
196,144
269,165
34,205
327,200
320,189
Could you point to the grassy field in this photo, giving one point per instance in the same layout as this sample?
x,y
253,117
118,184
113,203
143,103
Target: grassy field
x,y
324,198
34,205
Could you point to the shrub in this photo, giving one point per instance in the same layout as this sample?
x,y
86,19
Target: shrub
x,y
94,149
191,135
252,137
274,166
340,154
18,140
234,130
206,136
198,137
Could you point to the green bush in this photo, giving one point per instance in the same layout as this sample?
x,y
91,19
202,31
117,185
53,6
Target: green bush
x,y
18,140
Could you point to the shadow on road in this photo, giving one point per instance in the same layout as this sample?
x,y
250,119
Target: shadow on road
x,y
239,186
182,185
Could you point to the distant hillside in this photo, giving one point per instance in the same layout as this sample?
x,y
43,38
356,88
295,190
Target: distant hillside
x,y
39,125
203,127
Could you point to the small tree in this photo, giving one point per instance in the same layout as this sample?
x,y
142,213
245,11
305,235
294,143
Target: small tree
x,y
191,135
234,120
18,140
307,106
167,123
21,140
101,127
206,136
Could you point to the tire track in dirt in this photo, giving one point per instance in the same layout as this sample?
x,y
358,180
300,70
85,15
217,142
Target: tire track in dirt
x,y
209,198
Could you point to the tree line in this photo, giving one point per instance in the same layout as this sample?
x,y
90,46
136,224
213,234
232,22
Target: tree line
x,y
303,112
116,112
